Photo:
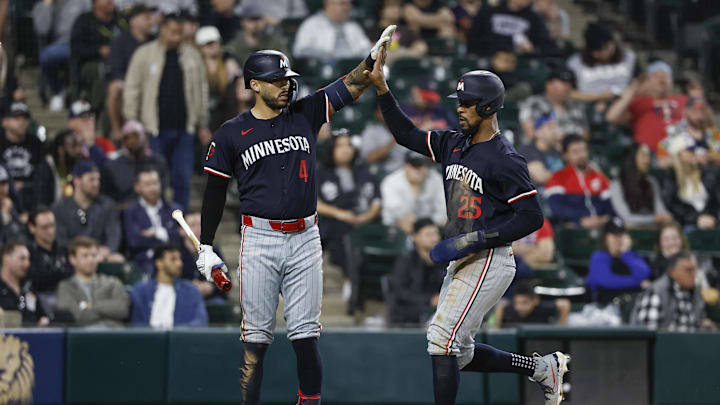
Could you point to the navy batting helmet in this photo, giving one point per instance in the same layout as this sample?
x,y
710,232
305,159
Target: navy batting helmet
x,y
483,87
267,65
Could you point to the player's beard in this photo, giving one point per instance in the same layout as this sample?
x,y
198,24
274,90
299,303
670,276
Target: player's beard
x,y
470,130
274,103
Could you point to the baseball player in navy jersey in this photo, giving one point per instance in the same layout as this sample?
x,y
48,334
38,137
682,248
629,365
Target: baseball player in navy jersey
x,y
490,203
270,151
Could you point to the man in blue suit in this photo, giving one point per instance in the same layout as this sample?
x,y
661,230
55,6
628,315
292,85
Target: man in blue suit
x,y
167,300
148,222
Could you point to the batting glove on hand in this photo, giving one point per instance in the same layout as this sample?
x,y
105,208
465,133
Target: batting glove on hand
x,y
457,247
208,261
385,38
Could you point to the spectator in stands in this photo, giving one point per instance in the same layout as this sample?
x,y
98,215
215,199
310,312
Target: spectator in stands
x,y
556,19
14,295
219,70
534,251
690,191
172,104
237,99
698,128
411,192
378,146
53,21
429,18
10,224
93,299
90,47
407,43
571,115
527,308
140,20
167,300
415,280
88,213
189,254
254,35
513,23
48,261
649,106
148,221
465,11
616,269
348,195
53,179
223,17
543,154
504,64
185,7
81,119
671,239
604,68
189,23
20,150
117,183
329,34
579,193
673,302
275,11
425,109
10,89
635,194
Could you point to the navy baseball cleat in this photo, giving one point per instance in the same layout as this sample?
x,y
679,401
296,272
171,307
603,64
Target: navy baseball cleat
x,y
549,371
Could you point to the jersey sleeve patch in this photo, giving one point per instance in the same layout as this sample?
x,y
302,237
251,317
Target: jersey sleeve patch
x,y
521,196
216,172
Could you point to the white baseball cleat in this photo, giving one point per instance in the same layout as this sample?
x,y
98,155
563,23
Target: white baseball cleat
x,y
549,372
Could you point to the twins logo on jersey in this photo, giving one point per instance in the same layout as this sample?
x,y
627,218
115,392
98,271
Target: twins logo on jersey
x,y
464,175
274,147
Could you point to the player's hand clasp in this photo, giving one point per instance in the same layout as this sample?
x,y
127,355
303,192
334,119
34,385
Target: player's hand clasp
x,y
207,261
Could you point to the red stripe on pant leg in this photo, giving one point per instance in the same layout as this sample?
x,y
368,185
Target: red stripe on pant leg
x,y
242,310
469,303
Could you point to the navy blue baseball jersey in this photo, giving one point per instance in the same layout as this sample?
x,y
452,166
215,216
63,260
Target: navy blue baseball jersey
x,y
481,180
273,160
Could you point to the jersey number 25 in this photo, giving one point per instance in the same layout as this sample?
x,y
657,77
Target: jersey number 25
x,y
470,207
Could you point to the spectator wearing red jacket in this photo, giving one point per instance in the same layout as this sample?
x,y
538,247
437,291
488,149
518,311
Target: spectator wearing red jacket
x,y
579,193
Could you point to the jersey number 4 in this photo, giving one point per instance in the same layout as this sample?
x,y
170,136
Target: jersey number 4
x,y
470,207
303,170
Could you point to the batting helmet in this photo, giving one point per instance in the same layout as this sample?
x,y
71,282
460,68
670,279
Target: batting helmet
x,y
485,88
267,65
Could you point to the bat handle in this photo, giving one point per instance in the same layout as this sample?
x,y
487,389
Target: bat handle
x,y
221,279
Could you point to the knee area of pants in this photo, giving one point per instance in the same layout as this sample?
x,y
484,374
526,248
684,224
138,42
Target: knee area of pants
x,y
260,337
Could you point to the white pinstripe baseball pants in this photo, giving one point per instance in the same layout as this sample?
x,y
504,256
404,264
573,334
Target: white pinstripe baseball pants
x,y
472,286
273,263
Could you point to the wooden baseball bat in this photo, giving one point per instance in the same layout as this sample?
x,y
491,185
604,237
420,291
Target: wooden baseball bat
x,y
220,278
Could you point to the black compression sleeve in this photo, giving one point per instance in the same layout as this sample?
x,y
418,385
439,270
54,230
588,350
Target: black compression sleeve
x,y
404,131
527,219
212,207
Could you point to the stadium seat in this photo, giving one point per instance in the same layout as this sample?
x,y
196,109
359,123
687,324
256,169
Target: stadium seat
x,y
705,241
442,46
534,71
129,273
575,246
223,314
644,240
375,247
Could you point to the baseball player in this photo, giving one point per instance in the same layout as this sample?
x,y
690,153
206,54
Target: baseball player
x,y
490,203
270,150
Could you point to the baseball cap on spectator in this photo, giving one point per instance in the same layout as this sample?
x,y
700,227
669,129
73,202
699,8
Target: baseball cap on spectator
x,y
206,35
659,65
428,90
82,167
614,225
563,74
544,119
80,108
415,159
138,9
571,139
185,15
251,11
596,36
421,223
3,175
18,109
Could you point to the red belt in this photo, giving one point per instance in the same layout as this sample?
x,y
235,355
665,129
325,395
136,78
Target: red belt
x,y
289,226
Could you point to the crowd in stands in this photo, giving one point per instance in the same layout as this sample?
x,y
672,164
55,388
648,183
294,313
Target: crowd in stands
x,y
617,141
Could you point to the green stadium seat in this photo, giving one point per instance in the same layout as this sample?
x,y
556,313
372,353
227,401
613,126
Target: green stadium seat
x,y
534,71
461,65
442,46
644,240
375,247
129,273
223,314
290,27
576,245
705,241
411,67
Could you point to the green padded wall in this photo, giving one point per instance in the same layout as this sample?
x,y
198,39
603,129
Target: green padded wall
x,y
115,366
503,388
686,369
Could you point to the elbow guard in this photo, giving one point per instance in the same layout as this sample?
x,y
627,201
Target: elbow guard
x,y
338,94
